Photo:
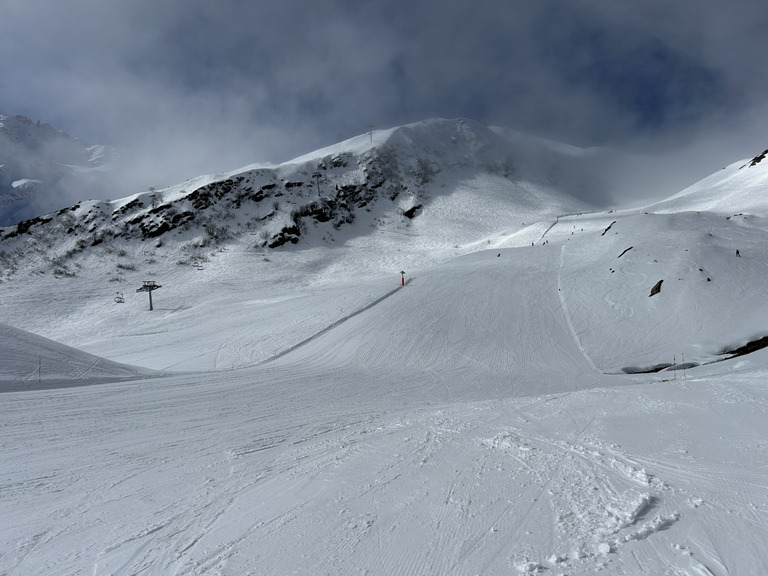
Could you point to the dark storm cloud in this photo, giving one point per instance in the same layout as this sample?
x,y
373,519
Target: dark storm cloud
x,y
665,88
193,86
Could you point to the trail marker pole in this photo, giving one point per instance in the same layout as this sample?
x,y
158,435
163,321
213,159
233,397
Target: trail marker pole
x,y
149,286
402,279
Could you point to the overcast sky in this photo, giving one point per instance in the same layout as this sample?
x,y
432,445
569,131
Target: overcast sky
x,y
199,86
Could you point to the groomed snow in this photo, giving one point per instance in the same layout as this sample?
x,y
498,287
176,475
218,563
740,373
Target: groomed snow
x,y
313,416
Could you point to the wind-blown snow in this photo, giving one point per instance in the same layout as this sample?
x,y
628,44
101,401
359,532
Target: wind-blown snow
x,y
478,420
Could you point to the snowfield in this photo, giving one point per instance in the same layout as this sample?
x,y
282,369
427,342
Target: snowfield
x,y
299,411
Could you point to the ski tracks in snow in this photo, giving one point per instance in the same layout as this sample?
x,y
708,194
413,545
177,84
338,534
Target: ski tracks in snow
x,y
597,502
517,486
433,493
561,296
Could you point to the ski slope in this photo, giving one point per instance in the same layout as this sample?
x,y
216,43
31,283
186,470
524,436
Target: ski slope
x,y
289,469
33,362
313,416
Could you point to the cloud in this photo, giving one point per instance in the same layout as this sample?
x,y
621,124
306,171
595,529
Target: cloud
x,y
191,86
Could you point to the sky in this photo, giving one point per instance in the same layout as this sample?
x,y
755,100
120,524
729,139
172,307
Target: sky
x,y
187,87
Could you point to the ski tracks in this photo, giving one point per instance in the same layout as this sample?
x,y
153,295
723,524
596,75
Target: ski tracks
x,y
566,315
599,501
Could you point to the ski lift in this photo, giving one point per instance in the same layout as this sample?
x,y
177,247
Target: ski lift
x,y
148,286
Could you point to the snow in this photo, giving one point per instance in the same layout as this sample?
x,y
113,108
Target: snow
x,y
355,145
31,361
97,152
739,187
23,182
310,415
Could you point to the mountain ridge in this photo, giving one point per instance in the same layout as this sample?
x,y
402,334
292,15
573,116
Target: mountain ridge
x,y
379,179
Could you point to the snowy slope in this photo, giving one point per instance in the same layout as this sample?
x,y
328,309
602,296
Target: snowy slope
x,y
737,188
485,418
31,362
710,300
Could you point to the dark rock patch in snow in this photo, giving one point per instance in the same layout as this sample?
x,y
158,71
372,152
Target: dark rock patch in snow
x,y
411,212
748,348
683,366
647,369
288,234
757,159
23,227
728,352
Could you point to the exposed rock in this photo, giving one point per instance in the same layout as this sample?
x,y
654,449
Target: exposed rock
x,y
646,369
757,159
411,212
609,227
748,348
288,234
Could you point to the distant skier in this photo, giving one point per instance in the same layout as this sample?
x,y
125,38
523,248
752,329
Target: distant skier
x,y
737,253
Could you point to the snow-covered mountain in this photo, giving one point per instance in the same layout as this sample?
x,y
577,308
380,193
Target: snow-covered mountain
x,y
406,199
462,180
548,388
43,169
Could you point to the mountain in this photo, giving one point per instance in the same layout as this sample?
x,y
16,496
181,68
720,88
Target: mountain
x,y
454,183
500,381
403,199
43,169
